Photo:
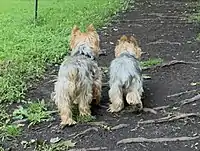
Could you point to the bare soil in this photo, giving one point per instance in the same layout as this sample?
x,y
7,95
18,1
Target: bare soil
x,y
151,22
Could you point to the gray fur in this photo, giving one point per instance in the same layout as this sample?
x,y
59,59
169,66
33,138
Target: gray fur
x,y
126,73
77,76
125,80
84,49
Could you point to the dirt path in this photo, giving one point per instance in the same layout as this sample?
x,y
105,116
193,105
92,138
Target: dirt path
x,y
163,31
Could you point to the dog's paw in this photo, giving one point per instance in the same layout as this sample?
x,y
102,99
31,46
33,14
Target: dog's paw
x,y
137,106
113,109
68,122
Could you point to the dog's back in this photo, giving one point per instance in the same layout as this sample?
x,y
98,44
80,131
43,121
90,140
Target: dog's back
x,y
125,72
77,73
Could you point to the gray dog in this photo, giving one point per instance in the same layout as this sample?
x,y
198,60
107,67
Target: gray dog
x,y
126,76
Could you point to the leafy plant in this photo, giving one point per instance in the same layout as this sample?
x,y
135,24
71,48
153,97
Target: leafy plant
x,y
6,128
59,146
34,112
151,62
12,130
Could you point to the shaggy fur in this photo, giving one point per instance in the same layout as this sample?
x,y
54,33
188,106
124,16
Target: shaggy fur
x,y
79,77
126,76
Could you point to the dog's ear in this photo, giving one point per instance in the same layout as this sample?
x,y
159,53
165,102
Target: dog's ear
x,y
91,28
123,38
75,31
133,40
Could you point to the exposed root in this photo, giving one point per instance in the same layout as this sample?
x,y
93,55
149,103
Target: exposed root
x,y
191,100
155,140
181,93
89,149
85,131
119,126
161,107
170,118
161,41
102,124
173,62
163,16
150,110
136,128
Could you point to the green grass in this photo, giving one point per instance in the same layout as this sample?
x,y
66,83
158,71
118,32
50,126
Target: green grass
x,y
26,50
195,17
34,113
151,62
7,129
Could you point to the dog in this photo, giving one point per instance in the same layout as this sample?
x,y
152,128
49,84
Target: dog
x,y
126,76
79,79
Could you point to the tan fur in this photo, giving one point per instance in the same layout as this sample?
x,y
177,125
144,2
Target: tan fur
x,y
90,37
129,44
78,83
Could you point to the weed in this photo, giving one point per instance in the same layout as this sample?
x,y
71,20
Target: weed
x,y
43,146
7,129
151,62
34,113
12,130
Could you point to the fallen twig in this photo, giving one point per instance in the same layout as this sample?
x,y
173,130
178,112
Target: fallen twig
x,y
102,124
191,100
173,62
161,107
181,93
161,15
89,149
155,140
136,128
169,118
85,131
149,110
119,126
162,41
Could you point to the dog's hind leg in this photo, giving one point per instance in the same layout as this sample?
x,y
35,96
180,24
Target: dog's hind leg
x,y
85,100
64,104
116,99
97,91
133,98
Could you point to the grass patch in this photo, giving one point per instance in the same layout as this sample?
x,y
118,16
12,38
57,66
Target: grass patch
x,y
195,17
7,129
39,145
60,146
151,62
26,49
34,113
12,130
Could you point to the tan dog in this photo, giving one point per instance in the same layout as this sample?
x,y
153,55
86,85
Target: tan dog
x,y
79,77
126,76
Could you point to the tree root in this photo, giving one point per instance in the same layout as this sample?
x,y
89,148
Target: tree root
x,y
170,118
155,140
173,62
